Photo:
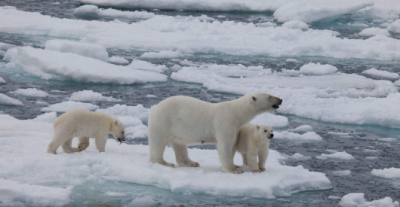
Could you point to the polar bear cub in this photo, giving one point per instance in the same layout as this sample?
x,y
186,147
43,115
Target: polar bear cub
x,y
253,141
84,124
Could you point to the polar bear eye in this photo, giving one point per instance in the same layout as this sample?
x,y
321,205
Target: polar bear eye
x,y
265,130
122,132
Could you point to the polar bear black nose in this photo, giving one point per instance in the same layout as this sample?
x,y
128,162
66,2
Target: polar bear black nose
x,y
271,136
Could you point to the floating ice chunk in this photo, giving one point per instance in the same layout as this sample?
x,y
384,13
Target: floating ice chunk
x,y
151,96
49,117
162,54
32,92
21,194
68,105
298,156
270,120
91,11
371,151
41,102
143,201
123,110
397,83
309,136
115,194
334,197
2,80
358,200
85,49
302,128
337,155
24,152
266,24
357,24
387,139
341,134
373,32
143,65
4,46
342,172
138,131
317,69
296,24
394,26
371,158
48,64
118,60
314,10
290,60
387,172
6,100
381,74
91,96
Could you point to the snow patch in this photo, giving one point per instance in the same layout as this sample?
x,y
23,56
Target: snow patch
x,y
68,105
6,100
309,136
91,11
342,172
162,54
49,117
118,60
296,24
302,128
115,194
368,32
381,74
394,26
85,49
358,200
270,120
91,96
387,172
336,155
31,92
2,80
317,69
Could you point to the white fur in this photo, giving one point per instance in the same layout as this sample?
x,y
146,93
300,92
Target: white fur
x,y
253,142
182,120
84,124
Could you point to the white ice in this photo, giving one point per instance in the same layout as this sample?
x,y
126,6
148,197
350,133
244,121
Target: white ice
x,y
68,105
381,74
6,100
91,96
394,26
302,128
342,172
296,24
85,49
48,117
306,137
336,155
387,172
115,194
162,54
91,11
368,32
31,92
23,152
143,201
2,80
298,156
270,120
358,200
48,64
317,69
118,60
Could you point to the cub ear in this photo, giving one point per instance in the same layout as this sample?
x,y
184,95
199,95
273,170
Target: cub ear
x,y
254,98
258,127
116,122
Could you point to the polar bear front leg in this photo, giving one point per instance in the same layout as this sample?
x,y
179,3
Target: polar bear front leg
x,y
83,143
182,157
262,158
252,162
225,143
101,143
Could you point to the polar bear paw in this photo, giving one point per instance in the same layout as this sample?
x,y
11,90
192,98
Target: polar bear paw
x,y
262,168
237,171
82,146
256,171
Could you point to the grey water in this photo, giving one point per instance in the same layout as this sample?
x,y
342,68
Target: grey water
x,y
359,139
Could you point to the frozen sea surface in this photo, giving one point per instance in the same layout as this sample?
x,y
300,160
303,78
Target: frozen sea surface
x,y
334,107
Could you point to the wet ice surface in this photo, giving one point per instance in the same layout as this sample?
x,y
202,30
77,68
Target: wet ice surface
x,y
364,143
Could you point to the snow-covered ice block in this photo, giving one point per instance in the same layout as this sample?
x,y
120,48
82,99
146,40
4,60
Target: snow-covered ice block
x,y
162,54
48,64
2,80
48,117
381,74
336,155
394,26
32,92
270,120
91,96
23,150
317,69
358,200
387,172
85,49
302,128
138,111
368,32
118,60
309,136
68,105
91,11
6,100
143,65
296,24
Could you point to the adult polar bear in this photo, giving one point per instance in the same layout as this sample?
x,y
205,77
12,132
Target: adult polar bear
x,y
182,120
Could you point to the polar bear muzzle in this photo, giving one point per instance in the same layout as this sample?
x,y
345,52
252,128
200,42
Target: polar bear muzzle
x,y
276,102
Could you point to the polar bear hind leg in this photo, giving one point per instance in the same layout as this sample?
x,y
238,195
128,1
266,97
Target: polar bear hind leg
x,y
83,143
182,157
101,143
67,146
57,141
157,144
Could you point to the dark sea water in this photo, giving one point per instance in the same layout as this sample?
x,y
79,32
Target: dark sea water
x,y
361,137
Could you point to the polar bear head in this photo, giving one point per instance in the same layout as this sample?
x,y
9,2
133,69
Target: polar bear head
x,y
118,130
264,102
265,132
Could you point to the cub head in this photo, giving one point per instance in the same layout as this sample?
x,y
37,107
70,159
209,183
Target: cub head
x,y
118,130
266,132
265,102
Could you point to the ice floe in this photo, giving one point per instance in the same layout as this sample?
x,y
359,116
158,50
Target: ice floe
x,y
162,54
381,74
342,172
6,100
68,105
32,92
115,194
23,151
270,120
373,32
2,80
358,200
298,156
138,111
336,155
296,24
91,11
48,117
387,172
394,26
118,60
302,128
85,49
91,96
285,135
317,69
48,64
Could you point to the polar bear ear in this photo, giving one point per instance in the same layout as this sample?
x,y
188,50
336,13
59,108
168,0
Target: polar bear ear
x,y
258,127
254,98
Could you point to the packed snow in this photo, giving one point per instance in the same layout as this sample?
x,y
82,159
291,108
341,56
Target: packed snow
x,y
381,74
91,11
118,60
387,172
296,24
336,155
162,54
193,35
6,100
32,92
85,49
48,117
48,65
358,200
68,105
91,96
373,32
317,69
270,120
29,141
285,135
